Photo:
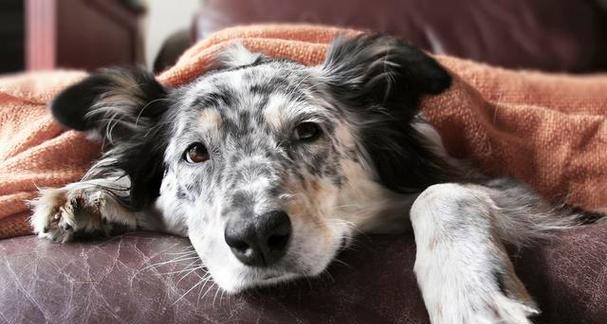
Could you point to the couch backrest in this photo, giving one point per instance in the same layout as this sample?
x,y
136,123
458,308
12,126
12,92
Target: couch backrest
x,y
549,35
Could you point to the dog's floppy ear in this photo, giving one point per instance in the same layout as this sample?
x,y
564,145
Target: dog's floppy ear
x,y
113,103
125,108
382,70
380,79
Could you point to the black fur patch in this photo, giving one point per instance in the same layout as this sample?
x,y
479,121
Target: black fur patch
x,y
382,79
140,146
141,158
587,217
71,106
499,281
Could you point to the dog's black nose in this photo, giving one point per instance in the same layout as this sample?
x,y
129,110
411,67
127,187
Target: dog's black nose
x,y
261,240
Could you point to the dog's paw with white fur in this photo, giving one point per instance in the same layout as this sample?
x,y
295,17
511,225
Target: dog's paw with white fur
x,y
494,308
59,213
467,300
502,309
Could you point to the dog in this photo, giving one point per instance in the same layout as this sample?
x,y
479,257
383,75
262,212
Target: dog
x,y
271,168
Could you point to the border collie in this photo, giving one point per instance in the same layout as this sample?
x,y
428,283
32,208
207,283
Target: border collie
x,y
271,167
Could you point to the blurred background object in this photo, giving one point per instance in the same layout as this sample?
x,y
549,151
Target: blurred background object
x,y
88,34
167,32
548,35
12,32
83,34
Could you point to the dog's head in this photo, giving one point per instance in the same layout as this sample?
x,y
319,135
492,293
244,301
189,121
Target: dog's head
x,y
270,165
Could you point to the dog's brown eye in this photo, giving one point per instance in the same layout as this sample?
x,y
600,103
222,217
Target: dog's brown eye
x,y
196,153
307,132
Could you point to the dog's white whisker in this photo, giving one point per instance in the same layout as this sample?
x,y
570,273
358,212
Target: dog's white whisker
x,y
206,280
213,284
187,274
188,250
176,260
188,291
179,271
221,296
215,297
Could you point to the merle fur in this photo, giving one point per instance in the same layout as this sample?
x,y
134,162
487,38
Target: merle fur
x,y
390,77
385,95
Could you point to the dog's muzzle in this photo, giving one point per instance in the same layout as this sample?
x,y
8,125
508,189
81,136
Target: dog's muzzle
x,y
261,240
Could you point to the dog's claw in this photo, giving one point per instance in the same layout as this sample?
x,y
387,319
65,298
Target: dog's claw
x,y
58,217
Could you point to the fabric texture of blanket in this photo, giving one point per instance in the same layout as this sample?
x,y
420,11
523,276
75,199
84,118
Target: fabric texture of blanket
x,y
549,130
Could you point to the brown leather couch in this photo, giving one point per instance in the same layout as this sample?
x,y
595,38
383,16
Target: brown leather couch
x,y
549,35
140,278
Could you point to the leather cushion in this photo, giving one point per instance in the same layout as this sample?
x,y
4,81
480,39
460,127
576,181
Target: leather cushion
x,y
123,279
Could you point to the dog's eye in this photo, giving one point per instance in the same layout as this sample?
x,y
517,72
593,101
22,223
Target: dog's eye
x,y
196,153
307,132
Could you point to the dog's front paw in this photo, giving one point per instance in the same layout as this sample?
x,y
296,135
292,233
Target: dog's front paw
x,y
489,309
502,309
476,302
60,213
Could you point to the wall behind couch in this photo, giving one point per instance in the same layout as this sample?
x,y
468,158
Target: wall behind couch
x,y
164,18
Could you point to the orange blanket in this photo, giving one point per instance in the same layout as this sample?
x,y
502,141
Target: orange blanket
x,y
548,130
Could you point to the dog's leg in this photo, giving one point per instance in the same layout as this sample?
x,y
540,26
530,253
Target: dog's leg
x,y
462,266
85,207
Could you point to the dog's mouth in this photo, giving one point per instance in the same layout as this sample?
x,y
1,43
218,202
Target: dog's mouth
x,y
271,279
236,278
244,278
304,258
344,243
264,279
273,276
